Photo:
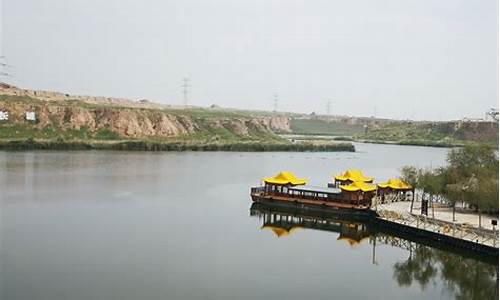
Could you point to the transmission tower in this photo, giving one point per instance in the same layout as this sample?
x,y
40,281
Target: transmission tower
x,y
493,113
275,102
3,65
328,106
185,86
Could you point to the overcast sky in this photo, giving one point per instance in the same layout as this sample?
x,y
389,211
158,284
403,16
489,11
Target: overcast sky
x,y
400,59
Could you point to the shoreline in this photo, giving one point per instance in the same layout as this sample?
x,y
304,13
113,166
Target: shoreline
x,y
141,145
415,142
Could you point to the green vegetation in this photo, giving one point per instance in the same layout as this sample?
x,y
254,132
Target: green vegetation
x,y
20,131
106,134
433,134
436,134
471,176
137,145
323,127
208,129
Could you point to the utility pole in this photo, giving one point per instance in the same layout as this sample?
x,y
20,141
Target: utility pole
x,y
3,65
185,86
276,98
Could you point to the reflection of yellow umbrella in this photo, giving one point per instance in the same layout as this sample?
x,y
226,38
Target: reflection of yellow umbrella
x,y
352,242
280,231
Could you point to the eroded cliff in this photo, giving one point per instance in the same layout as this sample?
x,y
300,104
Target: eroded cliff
x,y
56,112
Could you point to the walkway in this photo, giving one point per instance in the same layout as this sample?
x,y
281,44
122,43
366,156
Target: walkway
x,y
442,213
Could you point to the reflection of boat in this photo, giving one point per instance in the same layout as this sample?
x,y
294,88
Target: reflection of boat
x,y
421,261
352,228
281,231
285,220
286,189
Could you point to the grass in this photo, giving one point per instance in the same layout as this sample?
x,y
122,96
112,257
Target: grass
x,y
32,144
17,134
322,127
50,132
106,134
437,134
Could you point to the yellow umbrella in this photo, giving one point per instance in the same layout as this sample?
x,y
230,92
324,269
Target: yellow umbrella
x,y
285,178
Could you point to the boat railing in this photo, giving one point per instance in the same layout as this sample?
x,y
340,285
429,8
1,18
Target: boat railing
x,y
262,190
463,231
257,190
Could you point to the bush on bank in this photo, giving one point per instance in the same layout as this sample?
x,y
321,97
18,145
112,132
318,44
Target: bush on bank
x,y
31,144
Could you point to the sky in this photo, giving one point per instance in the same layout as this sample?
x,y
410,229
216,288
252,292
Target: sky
x,y
405,59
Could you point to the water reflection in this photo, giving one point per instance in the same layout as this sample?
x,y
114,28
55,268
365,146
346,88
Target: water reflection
x,y
464,277
285,221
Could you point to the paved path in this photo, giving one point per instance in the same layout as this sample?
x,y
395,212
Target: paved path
x,y
445,214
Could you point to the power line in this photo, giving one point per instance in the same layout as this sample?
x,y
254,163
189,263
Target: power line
x,y
185,86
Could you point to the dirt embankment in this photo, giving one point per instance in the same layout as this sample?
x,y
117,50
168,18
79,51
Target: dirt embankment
x,y
472,131
131,120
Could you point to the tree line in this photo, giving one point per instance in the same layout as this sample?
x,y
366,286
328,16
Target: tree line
x,y
470,176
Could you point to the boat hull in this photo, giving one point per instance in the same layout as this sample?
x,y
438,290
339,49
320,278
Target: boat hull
x,y
312,205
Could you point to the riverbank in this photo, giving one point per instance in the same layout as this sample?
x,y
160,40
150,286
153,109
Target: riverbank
x,y
416,142
32,120
423,143
138,145
453,133
435,134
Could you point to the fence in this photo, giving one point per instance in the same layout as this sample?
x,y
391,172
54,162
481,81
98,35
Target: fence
x,y
461,231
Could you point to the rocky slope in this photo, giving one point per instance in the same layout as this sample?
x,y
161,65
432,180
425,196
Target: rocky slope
x,y
439,133
59,114
453,132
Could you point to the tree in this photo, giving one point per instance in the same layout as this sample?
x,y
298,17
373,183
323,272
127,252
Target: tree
x,y
470,176
409,174
473,159
475,168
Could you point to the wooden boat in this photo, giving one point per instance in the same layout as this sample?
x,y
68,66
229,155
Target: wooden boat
x,y
286,189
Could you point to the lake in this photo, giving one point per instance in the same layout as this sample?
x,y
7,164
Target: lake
x,y
178,225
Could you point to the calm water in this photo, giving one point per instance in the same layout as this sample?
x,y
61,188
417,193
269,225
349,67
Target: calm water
x,y
130,225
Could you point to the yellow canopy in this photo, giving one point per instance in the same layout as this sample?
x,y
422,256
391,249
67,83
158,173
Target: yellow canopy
x,y
359,186
353,175
395,184
279,231
285,178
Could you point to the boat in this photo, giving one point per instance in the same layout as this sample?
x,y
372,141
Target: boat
x,y
286,189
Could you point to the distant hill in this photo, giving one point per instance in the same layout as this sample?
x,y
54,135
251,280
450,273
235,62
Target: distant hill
x,y
61,118
435,133
446,133
65,117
